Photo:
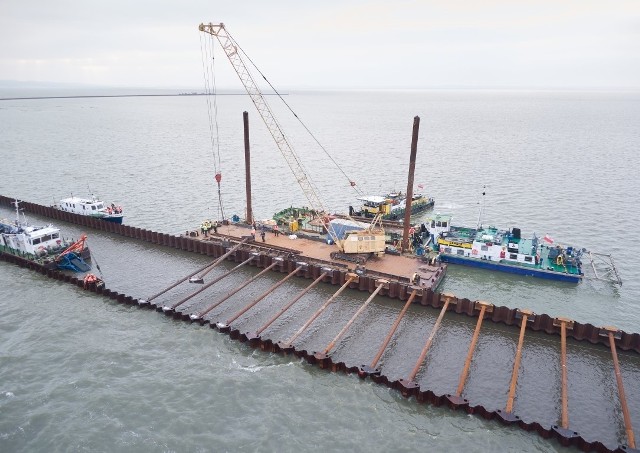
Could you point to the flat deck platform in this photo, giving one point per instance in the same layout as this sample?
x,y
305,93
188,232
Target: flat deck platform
x,y
400,267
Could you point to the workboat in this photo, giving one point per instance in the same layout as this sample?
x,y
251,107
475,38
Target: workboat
x,y
504,250
392,206
43,244
91,207
294,220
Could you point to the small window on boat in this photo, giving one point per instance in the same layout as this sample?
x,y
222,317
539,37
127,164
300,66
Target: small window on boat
x,y
484,248
444,224
84,207
447,250
460,252
36,240
100,206
360,238
513,256
55,235
528,259
93,208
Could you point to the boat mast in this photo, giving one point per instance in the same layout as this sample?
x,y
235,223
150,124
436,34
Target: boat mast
x,y
16,204
484,192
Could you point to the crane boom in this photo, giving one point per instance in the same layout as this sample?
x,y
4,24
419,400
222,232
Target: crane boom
x,y
231,50
369,241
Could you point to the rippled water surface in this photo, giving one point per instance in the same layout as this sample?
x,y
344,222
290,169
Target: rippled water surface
x,y
81,373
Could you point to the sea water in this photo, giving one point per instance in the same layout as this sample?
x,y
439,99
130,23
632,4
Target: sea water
x,y
79,373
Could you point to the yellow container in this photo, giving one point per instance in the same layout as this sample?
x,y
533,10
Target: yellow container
x,y
293,225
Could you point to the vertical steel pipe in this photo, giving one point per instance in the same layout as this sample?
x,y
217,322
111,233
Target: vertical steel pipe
x,y
412,166
247,166
516,366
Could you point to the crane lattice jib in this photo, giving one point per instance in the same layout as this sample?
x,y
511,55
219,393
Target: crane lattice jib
x,y
269,119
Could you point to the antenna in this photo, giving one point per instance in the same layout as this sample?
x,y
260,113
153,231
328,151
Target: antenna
x,y
481,203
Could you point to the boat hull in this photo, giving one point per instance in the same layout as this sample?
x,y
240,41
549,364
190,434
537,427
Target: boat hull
x,y
415,209
511,269
117,219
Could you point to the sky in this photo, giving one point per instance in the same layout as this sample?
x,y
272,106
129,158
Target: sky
x,y
331,44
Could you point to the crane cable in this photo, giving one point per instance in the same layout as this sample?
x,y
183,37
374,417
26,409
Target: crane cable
x,y
208,71
352,183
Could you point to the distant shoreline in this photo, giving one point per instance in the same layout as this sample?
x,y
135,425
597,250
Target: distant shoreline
x,y
86,96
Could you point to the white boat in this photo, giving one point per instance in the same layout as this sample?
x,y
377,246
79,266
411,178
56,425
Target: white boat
x,y
91,207
43,244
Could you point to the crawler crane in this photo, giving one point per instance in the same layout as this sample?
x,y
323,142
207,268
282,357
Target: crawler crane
x,y
356,244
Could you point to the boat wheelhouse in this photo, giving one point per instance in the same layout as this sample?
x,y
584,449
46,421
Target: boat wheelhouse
x,y
43,244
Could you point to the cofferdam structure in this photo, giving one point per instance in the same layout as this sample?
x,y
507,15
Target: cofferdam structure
x,y
576,383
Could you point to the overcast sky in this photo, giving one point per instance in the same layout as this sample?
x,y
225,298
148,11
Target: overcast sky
x,y
329,43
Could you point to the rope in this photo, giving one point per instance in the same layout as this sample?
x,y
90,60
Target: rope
x,y
208,71
351,182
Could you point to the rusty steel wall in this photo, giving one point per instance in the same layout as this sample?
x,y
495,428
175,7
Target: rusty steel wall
x,y
566,437
397,290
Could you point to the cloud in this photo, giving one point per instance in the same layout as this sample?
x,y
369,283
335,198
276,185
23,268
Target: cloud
x,y
333,44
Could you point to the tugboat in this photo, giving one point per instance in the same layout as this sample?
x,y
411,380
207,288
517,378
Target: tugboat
x,y
91,207
392,206
44,245
508,251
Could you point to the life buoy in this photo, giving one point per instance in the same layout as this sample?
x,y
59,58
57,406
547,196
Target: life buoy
x,y
474,251
89,278
559,260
